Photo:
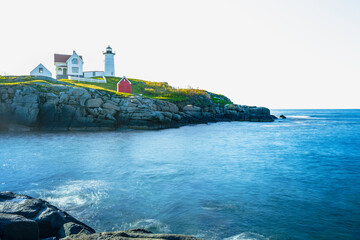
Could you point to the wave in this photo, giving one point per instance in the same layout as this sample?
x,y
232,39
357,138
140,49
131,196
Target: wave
x,y
212,205
152,225
75,193
301,117
247,236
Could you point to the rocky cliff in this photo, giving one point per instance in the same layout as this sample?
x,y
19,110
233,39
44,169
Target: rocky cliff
x,y
64,108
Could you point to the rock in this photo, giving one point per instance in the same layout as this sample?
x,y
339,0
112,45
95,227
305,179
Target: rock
x,y
25,207
130,235
47,115
176,117
26,115
273,117
49,220
16,227
51,98
64,98
94,103
72,228
76,91
4,96
84,98
30,98
191,108
11,91
282,117
111,106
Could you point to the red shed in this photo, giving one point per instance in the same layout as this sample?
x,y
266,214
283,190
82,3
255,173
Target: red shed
x,y
124,85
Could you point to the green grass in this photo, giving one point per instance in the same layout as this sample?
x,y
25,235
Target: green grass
x,y
13,79
155,90
163,91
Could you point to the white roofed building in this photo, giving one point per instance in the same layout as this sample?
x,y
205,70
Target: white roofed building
x,y
41,70
68,65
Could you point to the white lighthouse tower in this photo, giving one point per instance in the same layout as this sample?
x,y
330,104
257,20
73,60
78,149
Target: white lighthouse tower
x,y
109,62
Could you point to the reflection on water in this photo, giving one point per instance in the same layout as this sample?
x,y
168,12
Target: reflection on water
x,y
291,179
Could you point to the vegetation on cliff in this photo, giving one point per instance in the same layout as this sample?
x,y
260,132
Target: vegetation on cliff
x,y
148,89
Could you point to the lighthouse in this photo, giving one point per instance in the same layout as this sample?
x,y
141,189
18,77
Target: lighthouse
x,y
109,62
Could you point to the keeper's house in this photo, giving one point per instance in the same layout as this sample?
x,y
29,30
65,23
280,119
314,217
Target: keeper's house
x,y
68,65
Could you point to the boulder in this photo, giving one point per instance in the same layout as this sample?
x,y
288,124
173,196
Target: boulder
x,y
26,115
72,228
274,117
111,106
30,98
94,103
64,98
4,96
76,91
191,108
30,212
17,227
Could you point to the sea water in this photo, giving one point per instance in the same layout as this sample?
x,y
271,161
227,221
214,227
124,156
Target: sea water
x,y
297,178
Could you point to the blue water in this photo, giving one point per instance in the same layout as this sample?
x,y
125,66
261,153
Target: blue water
x,y
297,178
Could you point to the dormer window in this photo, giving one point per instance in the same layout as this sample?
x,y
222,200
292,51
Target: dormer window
x,y
41,70
74,61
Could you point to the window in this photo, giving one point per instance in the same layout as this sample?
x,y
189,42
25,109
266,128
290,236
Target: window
x,y
93,74
59,69
74,61
41,70
75,69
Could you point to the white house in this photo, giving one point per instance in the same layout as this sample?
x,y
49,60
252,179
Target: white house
x,y
68,65
40,70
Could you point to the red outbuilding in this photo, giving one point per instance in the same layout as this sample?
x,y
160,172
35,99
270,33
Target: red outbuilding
x,y
124,85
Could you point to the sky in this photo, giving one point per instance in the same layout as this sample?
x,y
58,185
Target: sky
x,y
277,54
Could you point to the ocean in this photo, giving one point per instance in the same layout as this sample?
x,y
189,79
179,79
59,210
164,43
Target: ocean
x,y
295,178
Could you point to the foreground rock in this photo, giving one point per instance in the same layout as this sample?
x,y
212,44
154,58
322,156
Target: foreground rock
x,y
138,234
23,217
66,108
14,226
26,218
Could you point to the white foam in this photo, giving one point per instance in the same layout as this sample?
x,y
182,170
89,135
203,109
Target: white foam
x,y
149,224
302,117
247,236
76,193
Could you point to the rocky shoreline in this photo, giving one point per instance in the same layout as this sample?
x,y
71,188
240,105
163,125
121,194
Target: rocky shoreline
x,y
26,218
52,107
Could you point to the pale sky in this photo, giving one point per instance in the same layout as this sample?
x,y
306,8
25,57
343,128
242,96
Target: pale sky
x,y
277,54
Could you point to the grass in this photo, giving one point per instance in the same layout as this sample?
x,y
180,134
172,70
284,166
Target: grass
x,y
155,90
94,86
14,79
163,91
19,83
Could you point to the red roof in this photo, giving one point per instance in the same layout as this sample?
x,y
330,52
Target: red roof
x,y
62,57
125,79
